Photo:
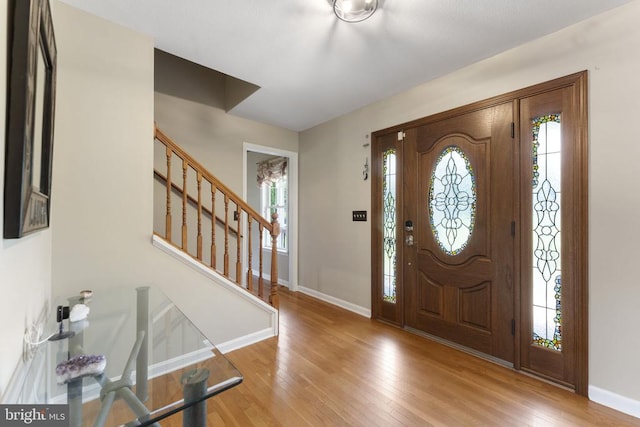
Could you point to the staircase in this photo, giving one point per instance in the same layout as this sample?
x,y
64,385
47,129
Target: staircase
x,y
211,221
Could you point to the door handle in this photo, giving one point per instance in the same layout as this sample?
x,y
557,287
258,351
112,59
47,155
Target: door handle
x,y
408,227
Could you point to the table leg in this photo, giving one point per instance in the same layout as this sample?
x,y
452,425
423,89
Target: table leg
x,y
142,325
74,399
194,389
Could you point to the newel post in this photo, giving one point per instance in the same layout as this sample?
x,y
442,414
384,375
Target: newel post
x,y
275,231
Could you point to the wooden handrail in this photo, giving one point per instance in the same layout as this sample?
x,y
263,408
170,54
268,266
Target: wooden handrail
x,y
218,184
228,197
191,200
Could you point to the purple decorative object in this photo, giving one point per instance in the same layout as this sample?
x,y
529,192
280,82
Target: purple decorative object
x,y
80,366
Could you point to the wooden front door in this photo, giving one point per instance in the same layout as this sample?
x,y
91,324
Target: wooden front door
x,y
460,286
479,228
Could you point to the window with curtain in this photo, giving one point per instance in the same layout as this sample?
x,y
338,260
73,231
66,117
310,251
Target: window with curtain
x,y
272,179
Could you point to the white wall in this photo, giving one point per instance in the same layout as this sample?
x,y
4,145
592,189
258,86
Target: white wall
x,y
25,264
103,180
334,252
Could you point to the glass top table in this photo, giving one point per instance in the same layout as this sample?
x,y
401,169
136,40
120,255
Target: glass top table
x,y
134,360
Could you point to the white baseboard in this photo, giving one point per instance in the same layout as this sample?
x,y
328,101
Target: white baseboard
x,y
92,391
16,383
615,401
362,311
253,338
267,276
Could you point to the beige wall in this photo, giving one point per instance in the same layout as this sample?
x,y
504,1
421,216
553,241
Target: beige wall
x,y
189,108
214,137
103,181
25,264
334,252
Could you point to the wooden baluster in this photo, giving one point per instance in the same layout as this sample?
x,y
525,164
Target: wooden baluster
x,y
240,206
250,255
167,226
214,249
226,236
260,277
184,206
238,214
275,231
199,248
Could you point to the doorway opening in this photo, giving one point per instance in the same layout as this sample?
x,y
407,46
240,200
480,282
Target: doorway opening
x,y
271,191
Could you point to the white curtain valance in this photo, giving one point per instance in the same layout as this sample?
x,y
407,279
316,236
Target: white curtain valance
x,y
272,170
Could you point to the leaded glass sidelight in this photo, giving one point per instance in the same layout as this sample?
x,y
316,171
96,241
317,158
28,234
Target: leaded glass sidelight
x,y
389,249
547,278
452,200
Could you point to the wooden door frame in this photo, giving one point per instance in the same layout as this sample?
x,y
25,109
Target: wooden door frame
x,y
580,238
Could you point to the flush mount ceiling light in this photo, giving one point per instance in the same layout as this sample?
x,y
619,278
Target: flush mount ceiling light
x,y
354,10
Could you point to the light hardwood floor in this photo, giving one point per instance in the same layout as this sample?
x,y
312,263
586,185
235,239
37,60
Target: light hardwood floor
x,y
330,367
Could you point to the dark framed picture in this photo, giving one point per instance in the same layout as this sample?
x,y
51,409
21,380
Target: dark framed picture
x,y
30,118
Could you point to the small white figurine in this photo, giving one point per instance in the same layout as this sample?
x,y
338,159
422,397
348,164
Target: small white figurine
x,y
78,312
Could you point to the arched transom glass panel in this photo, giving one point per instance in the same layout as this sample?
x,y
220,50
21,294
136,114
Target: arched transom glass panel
x,y
547,278
452,200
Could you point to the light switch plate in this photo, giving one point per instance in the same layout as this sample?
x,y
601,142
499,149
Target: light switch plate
x,y
359,215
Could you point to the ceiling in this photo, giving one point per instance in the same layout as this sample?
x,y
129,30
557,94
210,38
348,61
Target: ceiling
x,y
312,67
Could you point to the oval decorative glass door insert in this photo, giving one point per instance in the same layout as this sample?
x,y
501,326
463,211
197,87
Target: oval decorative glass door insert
x,y
452,200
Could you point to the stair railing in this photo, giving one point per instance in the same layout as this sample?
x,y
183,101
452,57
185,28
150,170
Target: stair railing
x,y
216,210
